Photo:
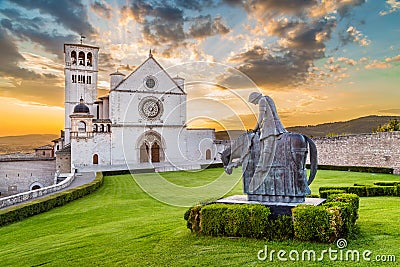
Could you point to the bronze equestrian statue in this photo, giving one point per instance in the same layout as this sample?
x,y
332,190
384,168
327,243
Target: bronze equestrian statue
x,y
273,160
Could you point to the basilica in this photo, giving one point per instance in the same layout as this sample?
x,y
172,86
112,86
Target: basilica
x,y
140,123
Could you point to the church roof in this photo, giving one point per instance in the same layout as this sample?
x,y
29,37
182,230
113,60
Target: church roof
x,y
81,108
117,73
151,57
46,147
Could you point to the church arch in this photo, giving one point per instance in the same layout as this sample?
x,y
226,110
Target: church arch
x,y
81,58
151,147
82,127
89,59
95,159
35,186
101,128
94,127
73,57
155,152
208,154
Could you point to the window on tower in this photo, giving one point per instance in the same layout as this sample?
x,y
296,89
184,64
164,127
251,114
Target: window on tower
x,y
82,127
89,59
74,78
73,58
81,58
89,80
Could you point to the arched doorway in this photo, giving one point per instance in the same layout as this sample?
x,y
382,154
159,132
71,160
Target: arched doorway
x,y
144,153
155,153
35,186
208,154
95,159
150,147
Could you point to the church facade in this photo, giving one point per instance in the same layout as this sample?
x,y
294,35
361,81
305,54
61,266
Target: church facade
x,y
140,123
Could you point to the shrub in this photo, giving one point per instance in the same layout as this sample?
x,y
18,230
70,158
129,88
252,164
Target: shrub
x,y
363,190
334,219
387,183
212,219
326,193
312,223
25,210
234,220
355,168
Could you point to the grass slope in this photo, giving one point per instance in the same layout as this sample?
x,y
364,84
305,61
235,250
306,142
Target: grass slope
x,y
121,225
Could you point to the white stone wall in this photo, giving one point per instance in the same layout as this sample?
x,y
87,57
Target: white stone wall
x,y
23,173
83,149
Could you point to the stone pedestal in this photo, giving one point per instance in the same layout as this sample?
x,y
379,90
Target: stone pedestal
x,y
277,208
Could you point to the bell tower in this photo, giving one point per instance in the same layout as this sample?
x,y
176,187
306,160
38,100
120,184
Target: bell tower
x,y
81,70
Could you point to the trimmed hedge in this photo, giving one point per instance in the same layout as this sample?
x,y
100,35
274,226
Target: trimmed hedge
x,y
234,220
25,210
363,190
325,194
355,168
325,223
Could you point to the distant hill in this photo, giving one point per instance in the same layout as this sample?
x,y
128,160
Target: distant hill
x,y
24,143
356,126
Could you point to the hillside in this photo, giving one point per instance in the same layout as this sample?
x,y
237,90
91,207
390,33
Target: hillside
x,y
356,126
24,143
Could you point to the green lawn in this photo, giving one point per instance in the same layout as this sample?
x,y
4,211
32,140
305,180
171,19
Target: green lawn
x,y
121,225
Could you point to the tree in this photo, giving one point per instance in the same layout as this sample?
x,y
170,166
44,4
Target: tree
x,y
391,126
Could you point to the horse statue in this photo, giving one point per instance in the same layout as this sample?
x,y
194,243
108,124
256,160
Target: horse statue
x,y
285,179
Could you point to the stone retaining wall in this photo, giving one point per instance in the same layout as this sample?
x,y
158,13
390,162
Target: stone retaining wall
x,y
375,150
15,199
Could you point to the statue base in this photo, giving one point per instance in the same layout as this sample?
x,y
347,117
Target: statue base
x,y
277,208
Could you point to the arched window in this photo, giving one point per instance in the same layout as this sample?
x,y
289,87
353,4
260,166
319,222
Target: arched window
x,y
208,154
82,127
81,58
95,128
109,128
58,147
95,159
89,59
155,153
44,153
73,58
101,127
35,187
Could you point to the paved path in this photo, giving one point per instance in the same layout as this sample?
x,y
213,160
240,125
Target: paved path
x,y
80,179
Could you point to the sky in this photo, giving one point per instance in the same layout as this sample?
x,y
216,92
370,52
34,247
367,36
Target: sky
x,y
321,61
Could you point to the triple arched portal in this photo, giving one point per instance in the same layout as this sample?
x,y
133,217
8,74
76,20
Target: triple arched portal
x,y
151,147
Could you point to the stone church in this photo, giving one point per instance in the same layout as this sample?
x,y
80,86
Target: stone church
x,y
140,123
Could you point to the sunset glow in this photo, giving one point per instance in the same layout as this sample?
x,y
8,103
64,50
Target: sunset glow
x,y
321,61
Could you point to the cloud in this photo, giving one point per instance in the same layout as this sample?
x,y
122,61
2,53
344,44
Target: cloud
x,y
9,61
393,59
393,5
355,36
102,9
205,26
167,26
71,14
195,4
378,65
301,29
